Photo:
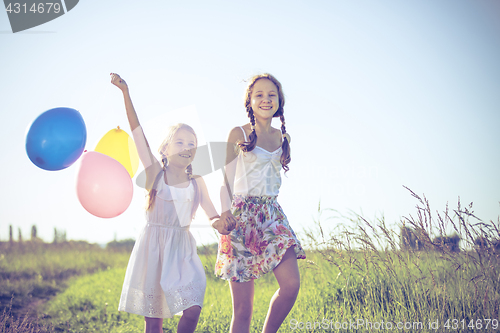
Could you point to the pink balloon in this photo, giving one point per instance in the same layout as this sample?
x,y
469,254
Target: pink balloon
x,y
103,186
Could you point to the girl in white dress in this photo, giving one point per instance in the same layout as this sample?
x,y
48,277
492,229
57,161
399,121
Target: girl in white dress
x,y
165,276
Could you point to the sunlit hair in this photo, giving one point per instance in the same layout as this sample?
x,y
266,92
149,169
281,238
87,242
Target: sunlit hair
x,y
189,169
250,145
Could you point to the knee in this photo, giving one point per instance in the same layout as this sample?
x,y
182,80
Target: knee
x,y
153,325
192,314
243,311
290,288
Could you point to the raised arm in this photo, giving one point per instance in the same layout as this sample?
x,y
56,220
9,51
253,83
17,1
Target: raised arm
x,y
151,164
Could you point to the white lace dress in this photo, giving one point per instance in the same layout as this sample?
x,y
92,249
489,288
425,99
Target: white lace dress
x,y
165,275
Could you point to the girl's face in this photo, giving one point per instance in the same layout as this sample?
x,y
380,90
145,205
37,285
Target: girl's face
x,y
264,99
182,148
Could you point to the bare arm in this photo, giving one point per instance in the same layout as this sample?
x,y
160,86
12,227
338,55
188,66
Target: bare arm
x,y
230,168
150,163
226,192
209,208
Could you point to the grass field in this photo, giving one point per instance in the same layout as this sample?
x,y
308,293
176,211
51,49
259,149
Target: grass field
x,y
356,279
32,272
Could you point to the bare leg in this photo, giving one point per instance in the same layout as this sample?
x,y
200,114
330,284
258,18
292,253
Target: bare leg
x,y
189,320
242,293
288,276
153,325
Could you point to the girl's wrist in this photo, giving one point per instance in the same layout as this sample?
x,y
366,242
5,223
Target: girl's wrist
x,y
219,226
214,220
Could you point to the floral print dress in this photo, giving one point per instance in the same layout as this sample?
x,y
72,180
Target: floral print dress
x,y
258,245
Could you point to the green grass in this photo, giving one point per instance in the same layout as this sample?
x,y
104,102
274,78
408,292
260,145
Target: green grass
x,y
90,303
353,273
33,272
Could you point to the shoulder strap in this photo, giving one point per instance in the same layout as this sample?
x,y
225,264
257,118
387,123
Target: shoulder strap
x,y
244,134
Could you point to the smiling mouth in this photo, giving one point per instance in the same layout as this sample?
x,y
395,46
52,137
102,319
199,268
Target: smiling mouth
x,y
185,155
266,107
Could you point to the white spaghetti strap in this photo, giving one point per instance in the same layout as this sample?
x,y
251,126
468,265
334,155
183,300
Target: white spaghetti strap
x,y
244,134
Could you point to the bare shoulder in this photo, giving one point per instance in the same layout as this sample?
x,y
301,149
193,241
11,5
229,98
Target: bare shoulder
x,y
199,180
276,131
276,134
236,134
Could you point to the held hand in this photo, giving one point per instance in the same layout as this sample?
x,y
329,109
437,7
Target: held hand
x,y
119,82
230,220
219,225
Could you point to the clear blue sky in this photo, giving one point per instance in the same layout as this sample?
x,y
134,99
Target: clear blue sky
x,y
378,95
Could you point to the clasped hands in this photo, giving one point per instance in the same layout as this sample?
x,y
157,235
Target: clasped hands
x,y
226,223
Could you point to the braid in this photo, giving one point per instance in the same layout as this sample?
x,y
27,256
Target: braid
x,y
285,155
250,145
154,191
283,128
252,118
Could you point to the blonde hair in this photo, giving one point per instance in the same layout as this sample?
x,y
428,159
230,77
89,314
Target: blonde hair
x,y
189,169
250,145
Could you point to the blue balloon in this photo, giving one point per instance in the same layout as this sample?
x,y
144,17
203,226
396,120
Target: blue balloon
x,y
56,139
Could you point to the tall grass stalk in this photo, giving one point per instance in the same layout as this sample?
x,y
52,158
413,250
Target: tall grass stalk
x,y
379,280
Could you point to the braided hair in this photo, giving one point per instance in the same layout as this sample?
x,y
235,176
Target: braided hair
x,y
250,145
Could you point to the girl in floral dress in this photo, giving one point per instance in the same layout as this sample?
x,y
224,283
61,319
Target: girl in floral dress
x,y
262,240
164,275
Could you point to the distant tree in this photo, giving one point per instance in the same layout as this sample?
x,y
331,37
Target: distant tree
x,y
124,245
59,236
483,243
448,242
405,238
410,239
11,234
496,245
20,239
33,232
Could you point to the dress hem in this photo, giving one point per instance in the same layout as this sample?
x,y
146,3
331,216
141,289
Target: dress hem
x,y
156,316
298,255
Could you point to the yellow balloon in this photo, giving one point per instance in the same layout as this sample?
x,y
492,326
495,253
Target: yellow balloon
x,y
120,146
